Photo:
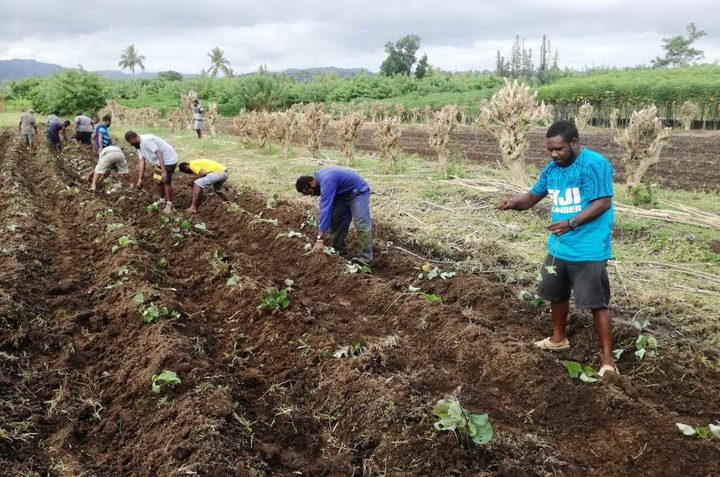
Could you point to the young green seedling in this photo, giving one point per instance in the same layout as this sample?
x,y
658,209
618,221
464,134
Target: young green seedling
x,y
114,226
701,432
310,221
233,207
354,268
290,234
153,208
453,418
123,242
430,273
644,341
167,377
232,281
432,298
577,370
274,300
355,348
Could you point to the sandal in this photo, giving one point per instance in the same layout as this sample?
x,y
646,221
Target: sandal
x,y
551,346
608,369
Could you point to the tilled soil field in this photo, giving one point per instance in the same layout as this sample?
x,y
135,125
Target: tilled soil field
x,y
262,393
689,162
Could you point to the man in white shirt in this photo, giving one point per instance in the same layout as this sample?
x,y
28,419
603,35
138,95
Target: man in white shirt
x,y
163,157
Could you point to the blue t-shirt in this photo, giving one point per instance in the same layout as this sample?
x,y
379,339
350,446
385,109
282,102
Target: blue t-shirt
x,y
102,136
335,182
572,189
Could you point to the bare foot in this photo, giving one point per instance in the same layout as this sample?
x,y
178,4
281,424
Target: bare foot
x,y
168,209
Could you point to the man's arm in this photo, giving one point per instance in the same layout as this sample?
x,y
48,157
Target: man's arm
x,y
593,211
141,170
522,201
161,160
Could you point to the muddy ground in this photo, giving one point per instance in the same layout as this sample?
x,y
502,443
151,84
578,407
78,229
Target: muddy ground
x,y
261,393
689,162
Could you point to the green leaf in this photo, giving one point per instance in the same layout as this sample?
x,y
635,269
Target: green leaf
x,y
483,431
574,369
232,281
714,430
641,341
114,249
154,207
166,377
686,429
201,226
617,353
139,298
702,432
432,298
640,354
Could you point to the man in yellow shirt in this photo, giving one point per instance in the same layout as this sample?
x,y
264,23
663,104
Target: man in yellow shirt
x,y
208,173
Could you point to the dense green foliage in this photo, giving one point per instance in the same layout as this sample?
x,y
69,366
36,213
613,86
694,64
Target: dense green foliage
x,y
700,84
69,92
74,91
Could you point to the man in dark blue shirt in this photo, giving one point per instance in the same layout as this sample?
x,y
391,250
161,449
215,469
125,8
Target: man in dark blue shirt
x,y
54,131
344,197
580,184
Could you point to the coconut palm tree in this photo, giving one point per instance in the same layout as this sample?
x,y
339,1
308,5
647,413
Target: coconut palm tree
x,y
131,59
219,63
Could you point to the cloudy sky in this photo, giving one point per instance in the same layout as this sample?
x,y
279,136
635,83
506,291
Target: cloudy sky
x,y
457,35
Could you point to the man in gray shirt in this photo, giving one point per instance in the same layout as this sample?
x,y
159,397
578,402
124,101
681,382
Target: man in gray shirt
x,y
83,130
28,127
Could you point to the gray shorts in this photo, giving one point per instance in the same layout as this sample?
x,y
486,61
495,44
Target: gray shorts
x,y
28,137
588,281
197,124
214,179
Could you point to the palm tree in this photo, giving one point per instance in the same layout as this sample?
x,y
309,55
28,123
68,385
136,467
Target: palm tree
x,y
218,63
130,59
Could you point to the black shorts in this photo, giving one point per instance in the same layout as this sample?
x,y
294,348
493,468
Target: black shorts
x,y
83,136
170,168
588,281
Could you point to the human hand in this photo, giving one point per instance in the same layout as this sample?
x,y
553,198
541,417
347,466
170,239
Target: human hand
x,y
503,204
559,228
319,245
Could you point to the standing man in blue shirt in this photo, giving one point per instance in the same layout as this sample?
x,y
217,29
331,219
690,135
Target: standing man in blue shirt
x,y
102,134
580,183
344,197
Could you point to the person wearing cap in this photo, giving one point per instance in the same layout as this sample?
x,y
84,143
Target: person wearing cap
x,y
28,127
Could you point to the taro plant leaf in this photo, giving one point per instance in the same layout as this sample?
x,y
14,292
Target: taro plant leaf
x,y
139,298
232,281
201,226
150,314
574,369
617,353
413,289
275,299
166,377
452,417
686,429
640,353
329,251
481,431
185,225
308,247
714,430
588,375
154,207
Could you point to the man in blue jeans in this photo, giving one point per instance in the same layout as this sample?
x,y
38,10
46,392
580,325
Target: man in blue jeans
x,y
344,197
580,184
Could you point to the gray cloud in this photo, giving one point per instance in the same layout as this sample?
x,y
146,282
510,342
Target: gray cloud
x,y
457,34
